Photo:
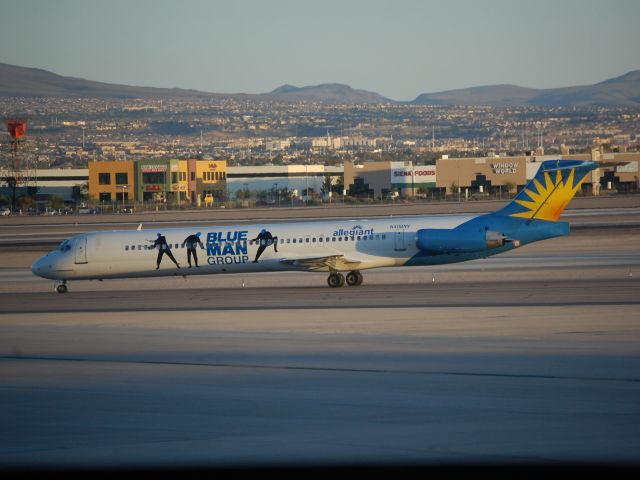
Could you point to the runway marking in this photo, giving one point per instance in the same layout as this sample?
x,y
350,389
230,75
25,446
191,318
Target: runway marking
x,y
328,306
318,369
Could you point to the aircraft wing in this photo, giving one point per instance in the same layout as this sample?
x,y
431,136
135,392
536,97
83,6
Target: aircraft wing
x,y
318,264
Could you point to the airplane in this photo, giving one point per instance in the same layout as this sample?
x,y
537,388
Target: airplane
x,y
333,246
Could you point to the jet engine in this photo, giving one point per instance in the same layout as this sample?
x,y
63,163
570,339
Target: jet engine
x,y
438,241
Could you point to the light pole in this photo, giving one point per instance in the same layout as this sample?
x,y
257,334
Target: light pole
x,y
123,188
306,177
413,180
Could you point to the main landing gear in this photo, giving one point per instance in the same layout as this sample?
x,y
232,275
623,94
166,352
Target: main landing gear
x,y
61,287
337,280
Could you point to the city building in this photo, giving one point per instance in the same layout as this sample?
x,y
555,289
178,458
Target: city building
x,y
300,178
483,176
164,181
201,181
491,175
381,179
68,183
112,181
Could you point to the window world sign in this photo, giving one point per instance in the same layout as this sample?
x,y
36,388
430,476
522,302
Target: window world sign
x,y
416,174
504,168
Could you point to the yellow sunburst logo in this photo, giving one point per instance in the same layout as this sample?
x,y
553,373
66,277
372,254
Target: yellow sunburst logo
x,y
551,198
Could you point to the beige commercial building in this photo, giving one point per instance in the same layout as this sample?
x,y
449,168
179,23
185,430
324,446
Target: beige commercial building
x,y
379,179
484,175
619,172
481,175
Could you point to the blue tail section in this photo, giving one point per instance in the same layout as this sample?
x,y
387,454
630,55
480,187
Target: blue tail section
x,y
543,200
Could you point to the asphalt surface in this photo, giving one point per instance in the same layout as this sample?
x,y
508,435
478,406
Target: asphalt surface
x,y
527,358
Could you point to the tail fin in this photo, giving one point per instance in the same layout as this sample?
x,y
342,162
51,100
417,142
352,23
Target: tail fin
x,y
550,191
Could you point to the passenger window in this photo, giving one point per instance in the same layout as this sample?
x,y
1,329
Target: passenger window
x,y
126,247
333,239
294,240
353,239
384,236
307,240
313,239
339,239
359,238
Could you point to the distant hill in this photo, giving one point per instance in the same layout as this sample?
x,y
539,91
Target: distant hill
x,y
497,95
619,91
34,82
326,93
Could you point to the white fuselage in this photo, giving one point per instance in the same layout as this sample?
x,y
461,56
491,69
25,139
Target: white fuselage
x,y
229,249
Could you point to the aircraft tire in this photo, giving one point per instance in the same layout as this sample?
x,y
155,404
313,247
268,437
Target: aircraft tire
x,y
354,279
62,288
335,280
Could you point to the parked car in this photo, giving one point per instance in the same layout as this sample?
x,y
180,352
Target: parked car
x,y
4,211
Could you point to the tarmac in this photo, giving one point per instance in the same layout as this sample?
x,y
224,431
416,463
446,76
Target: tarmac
x,y
531,357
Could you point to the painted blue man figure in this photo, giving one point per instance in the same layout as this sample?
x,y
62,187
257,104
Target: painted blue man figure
x,y
266,239
192,242
163,247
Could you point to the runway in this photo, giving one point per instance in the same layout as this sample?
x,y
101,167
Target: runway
x,y
531,357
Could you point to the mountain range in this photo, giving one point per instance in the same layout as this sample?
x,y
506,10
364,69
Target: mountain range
x,y
623,91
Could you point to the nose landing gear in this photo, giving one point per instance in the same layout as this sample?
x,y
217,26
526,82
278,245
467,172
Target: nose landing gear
x,y
61,287
337,280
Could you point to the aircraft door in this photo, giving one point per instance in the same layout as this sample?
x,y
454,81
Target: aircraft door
x,y
81,250
399,244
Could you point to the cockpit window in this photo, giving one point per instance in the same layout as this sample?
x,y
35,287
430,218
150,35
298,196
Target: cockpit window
x,y
64,246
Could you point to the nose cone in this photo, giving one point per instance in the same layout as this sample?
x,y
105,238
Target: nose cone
x,y
41,267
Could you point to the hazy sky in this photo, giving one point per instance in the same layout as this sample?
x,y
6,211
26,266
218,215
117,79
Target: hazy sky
x,y
398,48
